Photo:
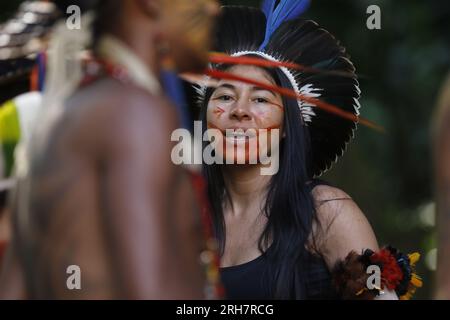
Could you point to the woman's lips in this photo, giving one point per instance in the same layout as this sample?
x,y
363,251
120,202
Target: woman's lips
x,y
237,137
241,132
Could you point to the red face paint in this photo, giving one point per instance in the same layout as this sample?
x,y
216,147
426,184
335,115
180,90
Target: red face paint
x,y
273,127
246,145
218,111
210,125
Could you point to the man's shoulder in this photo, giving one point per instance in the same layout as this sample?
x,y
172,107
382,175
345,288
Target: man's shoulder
x,y
109,107
114,99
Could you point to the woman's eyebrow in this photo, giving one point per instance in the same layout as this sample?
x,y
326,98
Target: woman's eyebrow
x,y
262,89
226,85
254,88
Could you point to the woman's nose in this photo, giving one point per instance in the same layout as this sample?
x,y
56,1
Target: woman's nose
x,y
240,112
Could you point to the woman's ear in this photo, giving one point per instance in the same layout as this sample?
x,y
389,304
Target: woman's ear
x,y
152,8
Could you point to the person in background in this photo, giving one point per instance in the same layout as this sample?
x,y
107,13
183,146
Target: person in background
x,y
16,119
21,77
288,235
442,190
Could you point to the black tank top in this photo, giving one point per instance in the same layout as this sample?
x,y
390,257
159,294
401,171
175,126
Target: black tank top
x,y
250,281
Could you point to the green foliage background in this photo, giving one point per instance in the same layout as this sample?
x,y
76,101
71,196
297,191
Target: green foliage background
x,y
401,68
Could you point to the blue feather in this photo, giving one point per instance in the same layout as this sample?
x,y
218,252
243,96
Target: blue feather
x,y
286,10
173,87
41,71
267,7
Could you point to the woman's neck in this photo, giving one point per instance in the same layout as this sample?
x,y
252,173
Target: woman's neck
x,y
246,187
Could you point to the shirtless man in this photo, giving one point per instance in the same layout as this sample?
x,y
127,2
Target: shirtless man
x,y
102,192
442,178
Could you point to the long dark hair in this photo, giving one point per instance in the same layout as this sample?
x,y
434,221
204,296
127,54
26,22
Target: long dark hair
x,y
289,206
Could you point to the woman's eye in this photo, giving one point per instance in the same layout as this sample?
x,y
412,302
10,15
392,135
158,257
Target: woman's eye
x,y
261,100
225,98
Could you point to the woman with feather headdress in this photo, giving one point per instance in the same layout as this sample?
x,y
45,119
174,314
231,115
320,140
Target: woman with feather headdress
x,y
289,235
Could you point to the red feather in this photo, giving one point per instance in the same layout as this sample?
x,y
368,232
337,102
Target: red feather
x,y
221,58
391,274
292,94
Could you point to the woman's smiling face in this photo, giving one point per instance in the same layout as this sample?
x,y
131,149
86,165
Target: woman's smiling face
x,y
238,107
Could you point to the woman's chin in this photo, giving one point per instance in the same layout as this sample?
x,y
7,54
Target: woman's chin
x,y
240,156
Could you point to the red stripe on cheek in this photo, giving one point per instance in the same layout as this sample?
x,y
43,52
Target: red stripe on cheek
x,y
218,111
269,129
213,126
273,127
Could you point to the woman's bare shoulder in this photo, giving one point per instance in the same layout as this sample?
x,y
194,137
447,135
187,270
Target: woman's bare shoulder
x,y
342,226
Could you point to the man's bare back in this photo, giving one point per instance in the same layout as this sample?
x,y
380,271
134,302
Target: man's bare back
x,y
113,153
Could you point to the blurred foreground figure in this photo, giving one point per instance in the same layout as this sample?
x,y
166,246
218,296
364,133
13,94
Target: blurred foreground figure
x,y
97,191
442,178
